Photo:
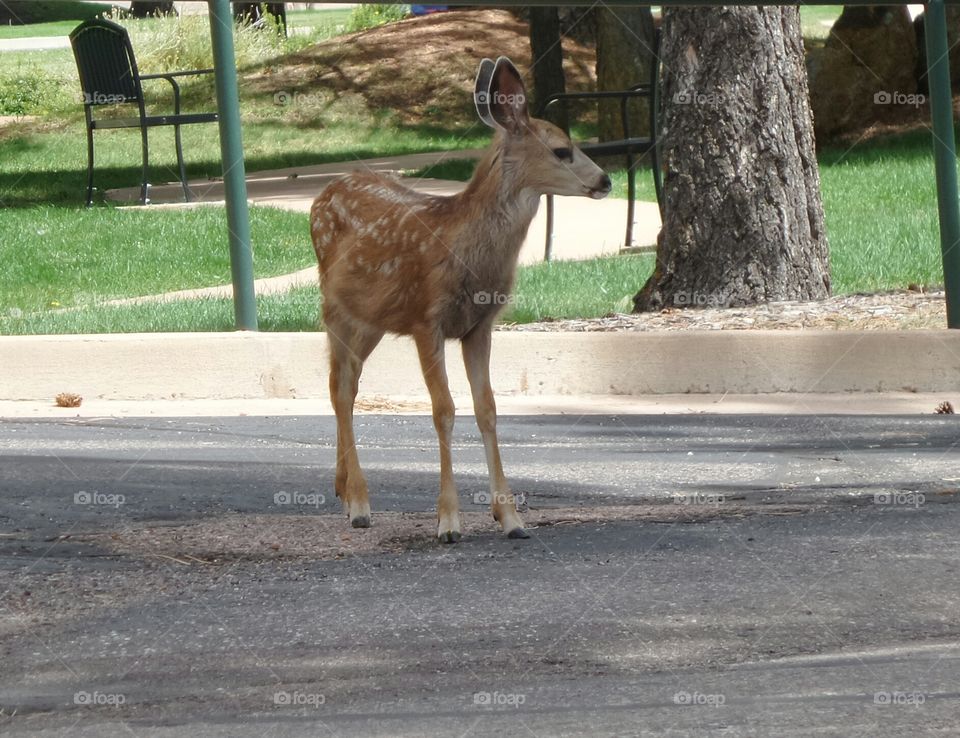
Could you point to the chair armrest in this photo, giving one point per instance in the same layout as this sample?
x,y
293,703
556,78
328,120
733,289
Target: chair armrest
x,y
641,90
186,73
170,77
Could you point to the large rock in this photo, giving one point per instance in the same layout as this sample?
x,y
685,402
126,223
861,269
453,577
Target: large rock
x,y
866,66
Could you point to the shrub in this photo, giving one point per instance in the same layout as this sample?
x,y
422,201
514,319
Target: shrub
x,y
28,94
183,42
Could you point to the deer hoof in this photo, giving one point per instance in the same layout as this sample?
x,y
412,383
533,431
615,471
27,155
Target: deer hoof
x,y
449,536
518,533
361,521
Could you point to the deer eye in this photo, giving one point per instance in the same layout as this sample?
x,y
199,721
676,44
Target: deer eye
x,y
563,154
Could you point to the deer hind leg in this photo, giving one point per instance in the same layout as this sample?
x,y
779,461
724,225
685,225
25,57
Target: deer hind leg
x,y
350,345
476,359
430,348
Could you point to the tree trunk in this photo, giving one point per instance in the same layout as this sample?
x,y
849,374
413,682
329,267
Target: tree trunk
x,y
865,70
143,9
743,217
253,13
953,45
547,55
625,47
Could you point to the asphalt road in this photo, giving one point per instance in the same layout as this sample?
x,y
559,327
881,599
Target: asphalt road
x,y
807,584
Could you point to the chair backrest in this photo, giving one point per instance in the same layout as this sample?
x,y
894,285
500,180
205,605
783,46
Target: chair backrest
x,y
105,62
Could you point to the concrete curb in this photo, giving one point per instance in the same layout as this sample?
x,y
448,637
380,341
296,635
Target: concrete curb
x,y
219,366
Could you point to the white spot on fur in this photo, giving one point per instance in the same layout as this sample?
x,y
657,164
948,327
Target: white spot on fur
x,y
388,267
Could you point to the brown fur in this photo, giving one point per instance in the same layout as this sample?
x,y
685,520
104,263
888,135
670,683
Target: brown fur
x,y
393,260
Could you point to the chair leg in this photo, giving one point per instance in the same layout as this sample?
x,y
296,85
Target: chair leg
x,y
146,165
548,246
631,197
89,166
187,197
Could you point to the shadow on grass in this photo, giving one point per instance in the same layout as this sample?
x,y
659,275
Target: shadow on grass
x,y
32,11
905,147
63,186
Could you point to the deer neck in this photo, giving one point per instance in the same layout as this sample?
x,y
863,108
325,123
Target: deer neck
x,y
502,206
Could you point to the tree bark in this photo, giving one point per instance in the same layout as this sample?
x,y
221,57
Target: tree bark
x,y
869,56
625,47
253,13
145,9
743,218
547,55
953,44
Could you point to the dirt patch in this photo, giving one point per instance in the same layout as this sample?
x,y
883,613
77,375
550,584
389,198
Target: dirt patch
x,y
284,537
380,404
420,69
900,310
114,570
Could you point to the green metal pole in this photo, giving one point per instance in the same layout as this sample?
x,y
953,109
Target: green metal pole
x,y
234,176
945,155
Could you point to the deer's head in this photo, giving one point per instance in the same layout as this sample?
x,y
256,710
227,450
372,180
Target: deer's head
x,y
539,154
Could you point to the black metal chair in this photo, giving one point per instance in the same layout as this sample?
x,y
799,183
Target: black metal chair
x,y
632,148
109,76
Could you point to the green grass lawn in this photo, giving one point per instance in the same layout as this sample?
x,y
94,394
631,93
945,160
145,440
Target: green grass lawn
x,y
815,20
880,203
335,19
53,28
60,257
553,290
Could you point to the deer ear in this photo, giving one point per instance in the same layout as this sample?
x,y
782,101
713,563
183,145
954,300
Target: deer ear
x,y
481,91
508,97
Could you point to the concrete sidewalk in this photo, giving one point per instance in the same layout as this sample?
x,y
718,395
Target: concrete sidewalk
x,y
583,228
34,43
781,404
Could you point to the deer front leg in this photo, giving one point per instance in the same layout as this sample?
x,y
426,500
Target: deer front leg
x,y
476,359
348,350
430,348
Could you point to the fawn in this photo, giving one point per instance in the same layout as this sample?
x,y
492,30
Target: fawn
x,y
437,268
